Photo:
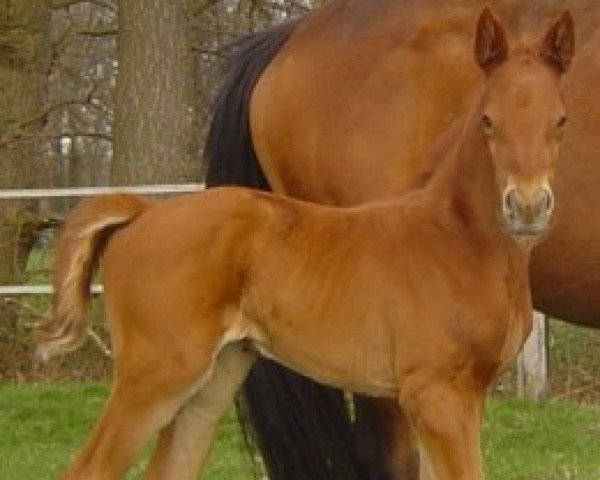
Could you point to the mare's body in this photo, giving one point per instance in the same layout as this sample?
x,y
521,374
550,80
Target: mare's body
x,y
345,112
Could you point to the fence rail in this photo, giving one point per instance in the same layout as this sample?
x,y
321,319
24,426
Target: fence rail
x,y
38,289
18,194
37,193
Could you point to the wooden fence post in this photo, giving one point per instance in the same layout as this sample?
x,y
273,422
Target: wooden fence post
x,y
532,363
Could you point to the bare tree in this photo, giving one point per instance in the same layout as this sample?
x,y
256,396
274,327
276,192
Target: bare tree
x,y
24,60
81,92
24,45
154,114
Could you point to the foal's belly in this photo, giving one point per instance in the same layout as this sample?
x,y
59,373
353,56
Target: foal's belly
x,y
344,355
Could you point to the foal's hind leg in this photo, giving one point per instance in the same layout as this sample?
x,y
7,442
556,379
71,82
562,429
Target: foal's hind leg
x,y
152,381
184,444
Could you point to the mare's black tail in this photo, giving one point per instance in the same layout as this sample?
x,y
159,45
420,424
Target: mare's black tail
x,y
229,150
302,429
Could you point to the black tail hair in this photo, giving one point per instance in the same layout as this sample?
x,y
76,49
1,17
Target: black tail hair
x,y
304,430
229,150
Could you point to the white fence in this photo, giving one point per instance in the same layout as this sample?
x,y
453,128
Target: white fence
x,y
39,193
532,364
17,194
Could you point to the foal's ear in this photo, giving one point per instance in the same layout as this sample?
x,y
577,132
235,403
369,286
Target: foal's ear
x,y
491,48
558,44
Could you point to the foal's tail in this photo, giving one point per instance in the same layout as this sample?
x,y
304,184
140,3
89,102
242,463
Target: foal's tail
x,y
79,247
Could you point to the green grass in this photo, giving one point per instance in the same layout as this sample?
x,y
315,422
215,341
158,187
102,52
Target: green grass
x,y
41,428
541,441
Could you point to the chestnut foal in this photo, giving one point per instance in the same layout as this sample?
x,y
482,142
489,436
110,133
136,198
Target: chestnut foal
x,y
423,298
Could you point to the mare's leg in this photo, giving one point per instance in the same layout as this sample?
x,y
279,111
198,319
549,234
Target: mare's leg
x,y
384,440
184,444
447,422
153,379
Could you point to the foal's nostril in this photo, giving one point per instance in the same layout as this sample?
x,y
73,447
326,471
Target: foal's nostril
x,y
547,200
544,203
510,200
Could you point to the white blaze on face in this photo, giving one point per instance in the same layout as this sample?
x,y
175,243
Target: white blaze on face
x,y
527,208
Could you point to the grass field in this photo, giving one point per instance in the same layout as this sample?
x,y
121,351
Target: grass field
x,y
41,427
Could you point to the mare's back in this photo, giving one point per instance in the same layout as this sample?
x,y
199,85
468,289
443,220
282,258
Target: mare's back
x,y
419,60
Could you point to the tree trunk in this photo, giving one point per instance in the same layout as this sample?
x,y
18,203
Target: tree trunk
x,y
24,61
153,113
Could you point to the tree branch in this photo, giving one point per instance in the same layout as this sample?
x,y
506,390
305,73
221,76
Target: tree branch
x,y
199,7
58,4
216,53
96,32
48,109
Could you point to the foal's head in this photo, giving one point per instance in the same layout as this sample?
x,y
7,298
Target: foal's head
x,y
523,117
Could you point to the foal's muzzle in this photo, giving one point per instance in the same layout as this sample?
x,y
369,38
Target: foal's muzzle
x,y
527,214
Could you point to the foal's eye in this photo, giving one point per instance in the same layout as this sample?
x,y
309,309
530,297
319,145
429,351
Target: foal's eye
x,y
486,124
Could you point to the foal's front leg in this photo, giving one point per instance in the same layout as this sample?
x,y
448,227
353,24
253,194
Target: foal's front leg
x,y
447,422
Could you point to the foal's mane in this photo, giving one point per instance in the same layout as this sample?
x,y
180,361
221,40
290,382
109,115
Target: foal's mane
x,y
447,146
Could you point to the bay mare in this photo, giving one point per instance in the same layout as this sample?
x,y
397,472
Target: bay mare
x,y
344,106
422,298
